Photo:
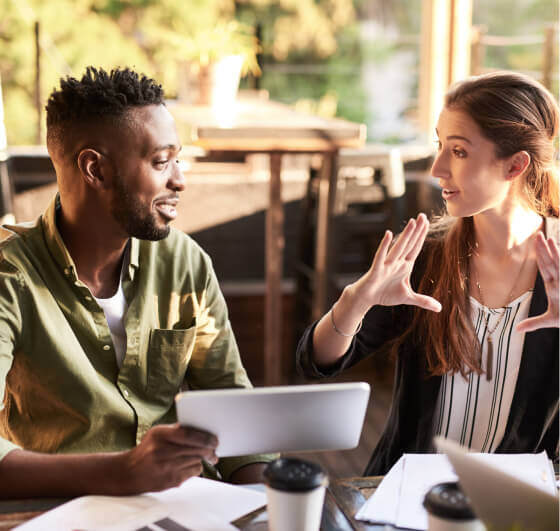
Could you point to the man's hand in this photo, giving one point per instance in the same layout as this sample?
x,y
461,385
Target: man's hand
x,y
167,456
548,263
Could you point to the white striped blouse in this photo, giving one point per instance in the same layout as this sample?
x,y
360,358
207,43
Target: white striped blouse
x,y
474,411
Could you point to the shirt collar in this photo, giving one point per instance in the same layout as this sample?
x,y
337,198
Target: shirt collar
x,y
59,251
134,253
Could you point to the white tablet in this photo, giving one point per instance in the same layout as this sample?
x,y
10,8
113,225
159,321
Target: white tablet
x,y
278,419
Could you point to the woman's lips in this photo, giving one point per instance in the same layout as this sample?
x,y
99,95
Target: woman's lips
x,y
448,194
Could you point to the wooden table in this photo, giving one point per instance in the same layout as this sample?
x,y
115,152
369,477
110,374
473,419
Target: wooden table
x,y
343,499
262,126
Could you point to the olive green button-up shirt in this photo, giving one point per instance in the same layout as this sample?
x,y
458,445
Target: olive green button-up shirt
x,y
60,385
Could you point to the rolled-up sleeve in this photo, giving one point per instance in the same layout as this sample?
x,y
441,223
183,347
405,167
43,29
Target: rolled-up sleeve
x,y
10,329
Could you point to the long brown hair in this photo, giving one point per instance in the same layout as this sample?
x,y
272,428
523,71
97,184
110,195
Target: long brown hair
x,y
517,114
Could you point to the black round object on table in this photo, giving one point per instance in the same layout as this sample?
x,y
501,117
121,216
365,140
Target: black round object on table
x,y
447,500
294,475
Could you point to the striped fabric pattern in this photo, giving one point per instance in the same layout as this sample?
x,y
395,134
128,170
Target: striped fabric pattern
x,y
474,411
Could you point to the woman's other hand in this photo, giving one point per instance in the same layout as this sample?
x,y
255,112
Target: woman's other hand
x,y
548,263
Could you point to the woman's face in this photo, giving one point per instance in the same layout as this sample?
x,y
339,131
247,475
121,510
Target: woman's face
x,y
472,178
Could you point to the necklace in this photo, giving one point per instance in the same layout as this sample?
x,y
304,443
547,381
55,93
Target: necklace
x,y
489,332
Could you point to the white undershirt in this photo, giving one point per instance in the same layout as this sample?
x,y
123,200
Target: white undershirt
x,y
114,309
474,412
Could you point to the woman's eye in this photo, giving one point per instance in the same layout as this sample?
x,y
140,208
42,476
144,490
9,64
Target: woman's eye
x,y
459,153
161,162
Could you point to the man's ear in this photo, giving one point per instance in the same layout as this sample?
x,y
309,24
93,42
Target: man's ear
x,y
92,168
517,164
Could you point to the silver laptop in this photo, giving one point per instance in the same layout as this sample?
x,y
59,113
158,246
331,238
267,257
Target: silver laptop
x,y
278,419
501,500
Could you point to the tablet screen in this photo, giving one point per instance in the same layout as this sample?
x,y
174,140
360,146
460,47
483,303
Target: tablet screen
x,y
278,419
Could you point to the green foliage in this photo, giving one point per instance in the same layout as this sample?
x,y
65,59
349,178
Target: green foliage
x,y
158,37
524,18
20,116
72,36
338,75
292,26
515,17
155,36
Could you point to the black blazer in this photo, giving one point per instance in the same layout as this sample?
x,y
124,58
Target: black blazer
x,y
533,419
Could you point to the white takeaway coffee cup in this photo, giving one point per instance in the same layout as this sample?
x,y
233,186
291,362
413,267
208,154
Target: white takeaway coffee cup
x,y
295,491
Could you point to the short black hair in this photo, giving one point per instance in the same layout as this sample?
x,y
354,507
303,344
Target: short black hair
x,y
98,95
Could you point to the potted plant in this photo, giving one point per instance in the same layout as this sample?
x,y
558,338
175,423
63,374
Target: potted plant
x,y
207,45
220,56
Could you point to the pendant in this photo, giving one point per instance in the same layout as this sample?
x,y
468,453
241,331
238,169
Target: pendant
x,y
489,359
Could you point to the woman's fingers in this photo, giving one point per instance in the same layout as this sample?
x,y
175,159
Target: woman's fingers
x,y
547,258
407,245
554,252
534,323
426,302
418,242
381,252
420,228
547,261
402,241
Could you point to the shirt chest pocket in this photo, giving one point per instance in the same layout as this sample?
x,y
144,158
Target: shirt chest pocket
x,y
169,353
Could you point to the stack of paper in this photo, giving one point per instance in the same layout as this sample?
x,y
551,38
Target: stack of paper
x,y
198,503
398,499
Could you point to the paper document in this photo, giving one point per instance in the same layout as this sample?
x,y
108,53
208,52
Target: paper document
x,y
381,507
198,504
398,499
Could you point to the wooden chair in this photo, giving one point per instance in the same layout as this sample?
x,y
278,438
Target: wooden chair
x,y
369,199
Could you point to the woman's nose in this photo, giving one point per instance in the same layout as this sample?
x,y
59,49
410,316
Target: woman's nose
x,y
440,168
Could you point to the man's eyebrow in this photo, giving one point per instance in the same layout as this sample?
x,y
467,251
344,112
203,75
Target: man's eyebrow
x,y
173,147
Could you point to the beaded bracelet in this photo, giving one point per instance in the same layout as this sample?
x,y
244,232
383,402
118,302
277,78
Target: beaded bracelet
x,y
340,332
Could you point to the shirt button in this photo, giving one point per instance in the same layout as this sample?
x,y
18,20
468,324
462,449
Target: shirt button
x,y
88,298
67,270
125,393
106,347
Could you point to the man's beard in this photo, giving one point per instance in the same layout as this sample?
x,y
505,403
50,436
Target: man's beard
x,y
136,218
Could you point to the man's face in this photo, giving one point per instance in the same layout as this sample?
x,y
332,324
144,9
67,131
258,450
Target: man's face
x,y
146,178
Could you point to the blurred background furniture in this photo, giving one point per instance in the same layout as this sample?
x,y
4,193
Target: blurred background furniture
x,y
261,126
370,198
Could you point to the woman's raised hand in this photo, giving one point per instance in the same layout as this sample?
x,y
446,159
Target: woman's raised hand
x,y
548,262
387,282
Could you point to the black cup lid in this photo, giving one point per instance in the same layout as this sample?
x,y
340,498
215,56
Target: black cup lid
x,y
292,474
447,500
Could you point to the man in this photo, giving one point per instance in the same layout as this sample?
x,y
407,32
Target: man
x,y
106,313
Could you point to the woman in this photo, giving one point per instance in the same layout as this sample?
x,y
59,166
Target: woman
x,y
471,311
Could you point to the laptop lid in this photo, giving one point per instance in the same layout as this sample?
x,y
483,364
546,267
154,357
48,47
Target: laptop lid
x,y
499,499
